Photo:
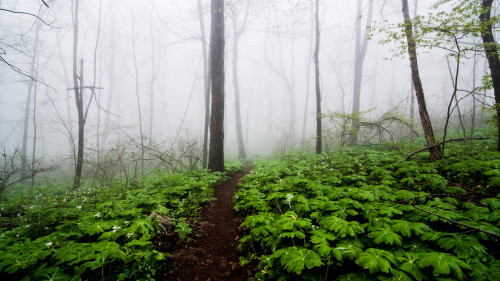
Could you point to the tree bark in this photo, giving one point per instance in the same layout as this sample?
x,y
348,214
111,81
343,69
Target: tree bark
x,y
217,44
490,48
359,59
136,68
237,108
318,87
206,84
24,149
308,79
109,102
412,91
419,90
78,98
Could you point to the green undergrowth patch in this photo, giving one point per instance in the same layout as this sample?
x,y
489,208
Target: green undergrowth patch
x,y
100,233
372,215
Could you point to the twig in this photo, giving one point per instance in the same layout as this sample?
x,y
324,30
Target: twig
x,y
459,223
29,14
440,143
445,195
45,3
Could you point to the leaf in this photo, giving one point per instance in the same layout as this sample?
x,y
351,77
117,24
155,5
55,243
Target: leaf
x,y
408,263
406,228
297,259
464,246
342,227
376,260
443,264
386,236
322,241
350,248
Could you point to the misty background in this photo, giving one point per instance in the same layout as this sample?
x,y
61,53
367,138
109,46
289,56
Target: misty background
x,y
153,50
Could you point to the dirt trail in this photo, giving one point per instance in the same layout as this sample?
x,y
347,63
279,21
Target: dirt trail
x,y
213,256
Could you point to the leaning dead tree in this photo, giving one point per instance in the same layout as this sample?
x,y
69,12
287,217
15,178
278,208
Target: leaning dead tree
x,y
441,143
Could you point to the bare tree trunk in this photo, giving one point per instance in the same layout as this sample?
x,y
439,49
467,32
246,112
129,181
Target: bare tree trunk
x,y
318,87
419,90
154,74
308,79
238,31
490,48
206,84
216,151
473,121
78,88
359,59
111,91
27,110
95,72
412,92
33,155
288,85
136,69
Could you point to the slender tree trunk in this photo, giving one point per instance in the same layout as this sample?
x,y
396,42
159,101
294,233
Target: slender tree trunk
x,y
154,74
206,84
81,125
78,88
308,78
318,87
136,69
419,90
95,73
412,92
237,104
359,59
216,151
473,121
111,91
27,110
491,51
33,155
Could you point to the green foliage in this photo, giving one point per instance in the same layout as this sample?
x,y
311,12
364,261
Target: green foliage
x,y
98,233
352,215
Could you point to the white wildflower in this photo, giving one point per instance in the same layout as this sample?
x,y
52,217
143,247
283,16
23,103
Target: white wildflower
x,y
98,215
79,207
48,244
130,234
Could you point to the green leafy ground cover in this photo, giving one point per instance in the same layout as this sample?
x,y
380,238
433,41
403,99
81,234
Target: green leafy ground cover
x,y
366,215
98,233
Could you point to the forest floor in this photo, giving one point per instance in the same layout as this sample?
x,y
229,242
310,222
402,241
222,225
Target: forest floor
x,y
212,256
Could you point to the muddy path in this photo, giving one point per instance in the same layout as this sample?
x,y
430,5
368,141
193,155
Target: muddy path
x,y
213,255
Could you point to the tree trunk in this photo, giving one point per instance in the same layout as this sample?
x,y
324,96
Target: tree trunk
x,y
412,92
359,59
216,151
237,108
318,87
109,102
81,122
419,90
136,68
78,98
490,48
206,84
308,79
24,149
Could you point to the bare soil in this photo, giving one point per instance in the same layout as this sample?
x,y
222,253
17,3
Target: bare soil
x,y
212,256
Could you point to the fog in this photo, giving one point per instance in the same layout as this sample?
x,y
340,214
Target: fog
x,y
161,40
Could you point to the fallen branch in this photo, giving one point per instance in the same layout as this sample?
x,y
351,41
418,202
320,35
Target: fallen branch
x,y
459,223
461,196
440,143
